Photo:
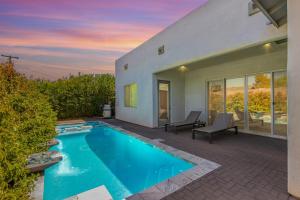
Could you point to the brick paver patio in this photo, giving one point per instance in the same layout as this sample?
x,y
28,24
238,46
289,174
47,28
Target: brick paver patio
x,y
253,167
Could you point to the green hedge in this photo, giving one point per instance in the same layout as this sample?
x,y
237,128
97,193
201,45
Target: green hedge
x,y
26,121
80,96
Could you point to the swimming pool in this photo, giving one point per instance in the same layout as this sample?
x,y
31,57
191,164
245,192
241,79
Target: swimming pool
x,y
95,154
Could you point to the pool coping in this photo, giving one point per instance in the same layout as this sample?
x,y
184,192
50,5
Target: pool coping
x,y
202,167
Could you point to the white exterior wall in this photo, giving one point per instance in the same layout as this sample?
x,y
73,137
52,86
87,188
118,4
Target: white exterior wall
x,y
177,92
216,28
294,98
196,81
143,113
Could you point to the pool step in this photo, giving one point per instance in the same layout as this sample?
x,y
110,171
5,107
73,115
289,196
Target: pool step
x,y
98,193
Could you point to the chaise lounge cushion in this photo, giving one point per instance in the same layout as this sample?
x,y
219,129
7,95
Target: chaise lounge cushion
x,y
222,122
190,120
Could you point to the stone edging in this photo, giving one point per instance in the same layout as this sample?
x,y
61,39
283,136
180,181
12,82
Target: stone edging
x,y
165,188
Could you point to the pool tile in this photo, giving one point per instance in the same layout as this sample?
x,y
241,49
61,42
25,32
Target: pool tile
x,y
135,197
181,180
152,193
167,187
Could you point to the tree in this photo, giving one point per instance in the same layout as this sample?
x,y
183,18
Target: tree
x,y
262,81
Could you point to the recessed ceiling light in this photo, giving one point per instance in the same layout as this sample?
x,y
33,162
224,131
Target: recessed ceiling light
x,y
183,68
268,45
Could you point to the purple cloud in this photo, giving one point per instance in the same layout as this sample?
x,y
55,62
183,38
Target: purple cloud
x,y
31,29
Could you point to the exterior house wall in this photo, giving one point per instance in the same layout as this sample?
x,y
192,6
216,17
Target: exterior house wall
x,y
143,113
293,98
177,99
213,29
196,80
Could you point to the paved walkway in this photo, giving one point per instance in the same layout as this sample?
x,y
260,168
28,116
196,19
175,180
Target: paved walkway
x,y
253,167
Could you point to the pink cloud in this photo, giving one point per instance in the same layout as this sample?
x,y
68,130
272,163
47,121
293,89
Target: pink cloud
x,y
109,36
102,25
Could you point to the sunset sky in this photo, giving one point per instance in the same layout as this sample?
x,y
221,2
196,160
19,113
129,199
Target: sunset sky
x,y
54,38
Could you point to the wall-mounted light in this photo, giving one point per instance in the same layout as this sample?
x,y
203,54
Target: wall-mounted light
x,y
183,68
125,67
161,50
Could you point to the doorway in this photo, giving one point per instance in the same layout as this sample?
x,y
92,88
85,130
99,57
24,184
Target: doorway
x,y
163,103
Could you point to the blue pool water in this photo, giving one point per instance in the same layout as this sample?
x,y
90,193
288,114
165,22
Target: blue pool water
x,y
100,155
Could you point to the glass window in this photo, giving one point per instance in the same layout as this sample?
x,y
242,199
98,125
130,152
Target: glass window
x,y
265,94
259,103
280,104
130,95
235,100
215,99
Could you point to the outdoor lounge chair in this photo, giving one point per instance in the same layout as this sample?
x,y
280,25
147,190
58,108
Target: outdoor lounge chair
x,y
240,115
191,120
223,121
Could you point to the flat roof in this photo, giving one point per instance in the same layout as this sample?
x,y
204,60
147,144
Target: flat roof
x,y
274,10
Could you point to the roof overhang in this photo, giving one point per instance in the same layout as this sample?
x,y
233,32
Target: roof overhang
x,y
274,10
231,56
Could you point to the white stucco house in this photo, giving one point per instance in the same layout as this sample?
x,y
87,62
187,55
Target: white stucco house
x,y
236,56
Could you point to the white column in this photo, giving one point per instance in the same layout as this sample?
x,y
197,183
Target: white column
x,y
293,71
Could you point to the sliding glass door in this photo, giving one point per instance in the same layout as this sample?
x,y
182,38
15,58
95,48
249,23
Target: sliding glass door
x,y
215,99
235,92
258,102
280,103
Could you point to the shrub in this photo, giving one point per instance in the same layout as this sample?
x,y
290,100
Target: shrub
x,y
259,101
26,121
235,102
80,96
